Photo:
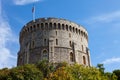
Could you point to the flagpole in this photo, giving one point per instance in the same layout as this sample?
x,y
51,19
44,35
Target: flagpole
x,y
33,12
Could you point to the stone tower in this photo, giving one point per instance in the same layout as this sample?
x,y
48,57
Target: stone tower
x,y
53,39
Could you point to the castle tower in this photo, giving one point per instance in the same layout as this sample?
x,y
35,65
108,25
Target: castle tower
x,y
53,39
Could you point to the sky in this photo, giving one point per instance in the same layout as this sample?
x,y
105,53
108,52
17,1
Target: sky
x,y
101,18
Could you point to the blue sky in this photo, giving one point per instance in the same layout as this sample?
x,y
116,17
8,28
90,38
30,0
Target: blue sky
x,y
101,18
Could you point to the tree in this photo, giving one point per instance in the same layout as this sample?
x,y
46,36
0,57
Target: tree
x,y
45,67
110,76
4,74
80,72
117,73
26,72
60,74
101,68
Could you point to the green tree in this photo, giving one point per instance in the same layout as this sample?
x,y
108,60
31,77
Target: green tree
x,y
60,74
45,67
117,73
80,72
4,74
26,72
110,76
101,68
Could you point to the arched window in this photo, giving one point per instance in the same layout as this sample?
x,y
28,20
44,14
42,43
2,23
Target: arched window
x,y
59,26
42,26
67,27
76,30
73,29
54,25
50,26
84,60
71,57
79,31
70,28
63,27
45,55
82,33
46,26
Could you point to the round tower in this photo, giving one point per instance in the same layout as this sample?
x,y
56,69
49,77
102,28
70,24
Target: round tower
x,y
53,39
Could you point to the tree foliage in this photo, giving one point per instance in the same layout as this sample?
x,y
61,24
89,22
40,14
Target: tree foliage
x,y
60,71
117,73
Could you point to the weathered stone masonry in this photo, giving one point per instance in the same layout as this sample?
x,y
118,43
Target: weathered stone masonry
x,y
56,40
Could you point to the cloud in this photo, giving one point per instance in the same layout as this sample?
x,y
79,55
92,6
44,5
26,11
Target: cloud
x,y
105,18
7,59
111,61
24,2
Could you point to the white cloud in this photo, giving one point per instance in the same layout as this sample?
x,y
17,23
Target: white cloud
x,y
111,60
23,2
105,18
7,59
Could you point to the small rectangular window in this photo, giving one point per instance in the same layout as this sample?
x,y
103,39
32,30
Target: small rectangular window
x,y
56,33
56,41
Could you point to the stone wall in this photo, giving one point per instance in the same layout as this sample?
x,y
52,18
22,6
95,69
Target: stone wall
x,y
54,39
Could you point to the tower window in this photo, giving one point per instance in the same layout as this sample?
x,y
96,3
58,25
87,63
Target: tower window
x,y
54,25
76,30
67,27
84,60
82,48
45,55
87,50
46,26
56,33
73,29
71,57
70,28
31,28
70,43
56,41
50,26
38,25
42,26
59,27
63,26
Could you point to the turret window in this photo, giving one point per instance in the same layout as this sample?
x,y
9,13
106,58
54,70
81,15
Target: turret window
x,y
50,26
59,27
72,57
54,25
63,27
45,55
56,41
70,44
82,48
84,60
67,27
